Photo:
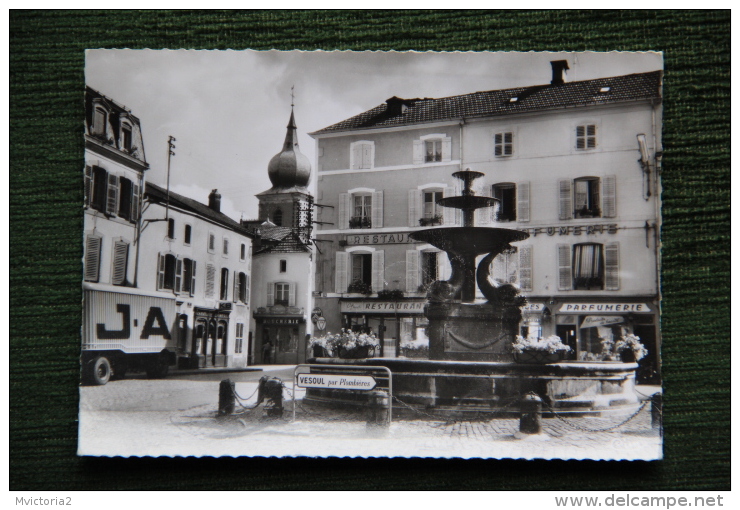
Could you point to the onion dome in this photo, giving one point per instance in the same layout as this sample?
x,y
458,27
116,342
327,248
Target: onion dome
x,y
290,168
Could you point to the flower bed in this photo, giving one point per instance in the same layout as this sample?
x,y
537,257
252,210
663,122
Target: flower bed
x,y
539,350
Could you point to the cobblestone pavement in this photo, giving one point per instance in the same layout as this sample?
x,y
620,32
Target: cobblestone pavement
x,y
179,417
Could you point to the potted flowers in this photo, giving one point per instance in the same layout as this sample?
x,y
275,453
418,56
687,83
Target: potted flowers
x,y
418,348
630,348
347,344
539,350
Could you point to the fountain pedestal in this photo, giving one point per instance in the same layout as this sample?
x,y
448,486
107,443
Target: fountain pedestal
x,y
471,332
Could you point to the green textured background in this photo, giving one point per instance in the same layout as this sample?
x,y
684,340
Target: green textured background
x,y
46,158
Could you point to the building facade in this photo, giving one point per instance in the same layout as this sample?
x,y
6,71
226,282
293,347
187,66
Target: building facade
x,y
576,165
282,259
201,258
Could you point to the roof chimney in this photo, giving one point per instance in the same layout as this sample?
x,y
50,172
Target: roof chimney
x,y
214,200
558,68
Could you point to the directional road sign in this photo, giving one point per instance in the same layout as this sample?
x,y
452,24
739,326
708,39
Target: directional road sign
x,y
334,381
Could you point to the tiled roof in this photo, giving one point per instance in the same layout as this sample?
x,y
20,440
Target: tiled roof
x,y
159,195
629,87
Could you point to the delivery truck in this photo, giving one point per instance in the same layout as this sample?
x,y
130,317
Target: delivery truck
x,y
126,329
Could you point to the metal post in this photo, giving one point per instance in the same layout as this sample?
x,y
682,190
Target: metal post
x,y
226,397
530,421
378,404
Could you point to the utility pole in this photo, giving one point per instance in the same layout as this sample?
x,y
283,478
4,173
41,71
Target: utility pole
x,y
170,153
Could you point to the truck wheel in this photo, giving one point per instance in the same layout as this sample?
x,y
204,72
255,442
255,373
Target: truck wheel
x,y
100,371
158,369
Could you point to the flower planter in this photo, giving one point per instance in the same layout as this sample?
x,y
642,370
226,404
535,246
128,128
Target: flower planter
x,y
362,351
535,357
627,356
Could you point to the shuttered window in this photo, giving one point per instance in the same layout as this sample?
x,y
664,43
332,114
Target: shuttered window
x,y
449,214
284,294
188,276
88,185
112,199
362,155
565,271
120,263
505,209
242,283
99,189
586,137
124,202
588,266
525,267
224,294
135,197
92,258
377,209
611,263
432,149
505,267
378,262
169,273
503,144
565,201
210,280
211,242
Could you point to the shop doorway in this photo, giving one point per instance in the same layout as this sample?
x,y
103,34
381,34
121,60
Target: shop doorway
x,y
649,369
567,334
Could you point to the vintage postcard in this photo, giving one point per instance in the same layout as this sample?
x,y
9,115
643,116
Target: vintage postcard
x,y
372,254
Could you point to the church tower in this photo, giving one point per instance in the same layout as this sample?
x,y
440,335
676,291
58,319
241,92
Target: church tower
x,y
288,202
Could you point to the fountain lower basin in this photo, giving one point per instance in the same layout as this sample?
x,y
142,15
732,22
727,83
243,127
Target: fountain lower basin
x,y
459,388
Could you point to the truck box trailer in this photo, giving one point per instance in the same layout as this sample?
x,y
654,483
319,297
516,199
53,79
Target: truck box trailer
x,y
124,328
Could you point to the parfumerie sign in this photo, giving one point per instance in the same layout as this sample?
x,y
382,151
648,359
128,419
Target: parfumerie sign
x,y
604,307
382,306
576,230
341,382
385,238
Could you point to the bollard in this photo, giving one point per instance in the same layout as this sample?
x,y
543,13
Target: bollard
x,y
378,404
530,421
656,412
271,389
226,398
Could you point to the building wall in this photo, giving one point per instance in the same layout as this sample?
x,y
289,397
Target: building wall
x,y
155,243
544,154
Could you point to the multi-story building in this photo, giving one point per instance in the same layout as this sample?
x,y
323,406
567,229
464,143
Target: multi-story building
x,y
193,253
576,165
282,259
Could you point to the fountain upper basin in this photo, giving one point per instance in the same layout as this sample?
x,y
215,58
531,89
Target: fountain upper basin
x,y
473,240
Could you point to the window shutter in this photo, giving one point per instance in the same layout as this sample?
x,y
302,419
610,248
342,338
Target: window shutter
x,y
368,155
210,280
340,276
160,271
412,270
246,289
120,261
192,276
611,262
343,211
178,275
446,149
378,274
135,203
525,267
483,215
112,202
415,212
580,137
609,197
565,270
449,212
356,156
88,185
270,293
291,294
565,199
235,297
418,152
92,258
377,209
522,201
444,268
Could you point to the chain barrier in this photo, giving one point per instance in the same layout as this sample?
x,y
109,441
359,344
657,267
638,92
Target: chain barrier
x,y
587,429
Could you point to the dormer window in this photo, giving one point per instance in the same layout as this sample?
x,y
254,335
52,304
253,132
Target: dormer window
x,y
604,90
126,138
100,117
514,99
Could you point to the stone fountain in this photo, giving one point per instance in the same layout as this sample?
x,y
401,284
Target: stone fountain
x,y
471,367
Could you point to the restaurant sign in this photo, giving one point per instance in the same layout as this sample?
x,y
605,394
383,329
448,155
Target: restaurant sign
x,y
604,307
370,306
385,238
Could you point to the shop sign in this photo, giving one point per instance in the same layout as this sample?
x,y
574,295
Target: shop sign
x,y
321,324
340,382
533,307
387,238
283,321
592,321
576,230
604,307
382,306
